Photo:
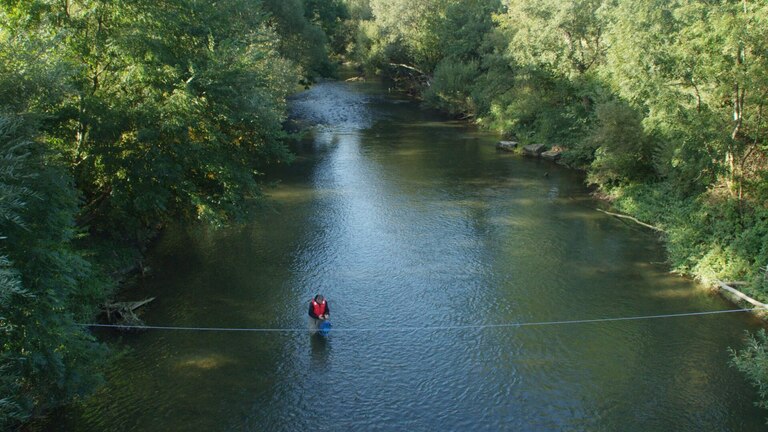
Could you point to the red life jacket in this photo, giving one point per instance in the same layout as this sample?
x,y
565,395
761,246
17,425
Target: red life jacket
x,y
318,308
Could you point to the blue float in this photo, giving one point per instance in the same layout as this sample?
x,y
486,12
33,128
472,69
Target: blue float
x,y
324,328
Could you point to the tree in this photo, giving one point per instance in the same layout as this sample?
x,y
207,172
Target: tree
x,y
698,70
115,117
299,28
172,108
565,37
45,286
13,198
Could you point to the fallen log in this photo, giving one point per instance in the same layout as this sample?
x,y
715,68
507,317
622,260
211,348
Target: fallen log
x,y
632,219
741,295
736,283
409,67
123,313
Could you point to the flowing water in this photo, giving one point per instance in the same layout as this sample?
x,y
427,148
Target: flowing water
x,y
416,230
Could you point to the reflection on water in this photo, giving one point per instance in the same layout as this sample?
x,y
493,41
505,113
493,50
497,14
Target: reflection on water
x,y
402,219
321,347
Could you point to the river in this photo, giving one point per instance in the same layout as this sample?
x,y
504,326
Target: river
x,y
419,232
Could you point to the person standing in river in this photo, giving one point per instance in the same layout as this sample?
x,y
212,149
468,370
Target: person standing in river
x,y
318,312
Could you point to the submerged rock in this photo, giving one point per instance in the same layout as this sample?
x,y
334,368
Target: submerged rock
x,y
552,155
506,145
534,150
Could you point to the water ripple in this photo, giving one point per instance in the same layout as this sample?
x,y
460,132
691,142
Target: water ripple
x,y
411,221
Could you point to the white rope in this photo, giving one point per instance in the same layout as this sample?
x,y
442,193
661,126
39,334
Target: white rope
x,y
414,328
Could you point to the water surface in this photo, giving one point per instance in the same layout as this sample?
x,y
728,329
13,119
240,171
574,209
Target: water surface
x,y
412,225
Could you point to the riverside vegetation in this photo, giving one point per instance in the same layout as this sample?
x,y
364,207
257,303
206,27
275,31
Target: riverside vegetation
x,y
662,104
119,116
115,118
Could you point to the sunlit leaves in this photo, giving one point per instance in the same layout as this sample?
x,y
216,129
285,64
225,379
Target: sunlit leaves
x,y
164,94
753,361
562,36
698,70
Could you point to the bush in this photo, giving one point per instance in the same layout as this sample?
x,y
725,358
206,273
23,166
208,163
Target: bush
x,y
536,107
452,86
620,147
753,362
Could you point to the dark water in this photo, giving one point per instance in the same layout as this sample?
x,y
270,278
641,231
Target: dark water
x,y
408,223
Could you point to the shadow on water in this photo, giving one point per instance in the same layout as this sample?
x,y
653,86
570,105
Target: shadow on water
x,y
321,351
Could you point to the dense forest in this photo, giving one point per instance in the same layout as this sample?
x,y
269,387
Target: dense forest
x,y
117,117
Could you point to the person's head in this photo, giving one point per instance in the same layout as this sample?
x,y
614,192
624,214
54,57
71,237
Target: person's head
x,y
319,298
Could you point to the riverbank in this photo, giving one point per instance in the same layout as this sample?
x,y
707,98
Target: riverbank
x,y
708,237
707,275
657,140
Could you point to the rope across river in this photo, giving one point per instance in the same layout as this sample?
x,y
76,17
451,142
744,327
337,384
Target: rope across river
x,y
424,328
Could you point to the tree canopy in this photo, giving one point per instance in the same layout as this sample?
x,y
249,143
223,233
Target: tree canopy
x,y
117,117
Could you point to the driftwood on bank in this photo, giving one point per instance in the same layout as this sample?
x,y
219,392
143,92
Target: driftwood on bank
x,y
416,75
740,295
632,219
409,67
124,313
725,286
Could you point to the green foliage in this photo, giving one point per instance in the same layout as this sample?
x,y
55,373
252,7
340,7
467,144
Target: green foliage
x,y
620,150
752,360
115,117
452,87
302,29
359,10
407,29
495,82
14,194
538,108
421,34
462,33
563,37
169,114
708,235
46,285
692,66
333,17
464,27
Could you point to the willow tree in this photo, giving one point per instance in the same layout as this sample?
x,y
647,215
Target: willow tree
x,y
13,198
462,31
554,49
562,36
46,286
407,33
698,70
